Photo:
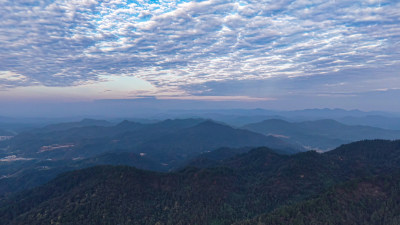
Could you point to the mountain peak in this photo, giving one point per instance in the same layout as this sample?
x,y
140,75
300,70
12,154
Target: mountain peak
x,y
127,122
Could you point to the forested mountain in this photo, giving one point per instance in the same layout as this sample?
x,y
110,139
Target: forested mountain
x,y
33,158
253,185
321,134
214,158
208,136
26,174
91,140
367,201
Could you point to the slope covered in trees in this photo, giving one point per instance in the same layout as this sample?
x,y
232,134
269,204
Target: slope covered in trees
x,y
367,201
236,189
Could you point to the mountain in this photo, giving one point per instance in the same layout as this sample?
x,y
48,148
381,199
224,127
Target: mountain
x,y
120,158
33,158
368,201
206,136
169,140
239,117
86,139
252,185
320,134
214,158
385,122
66,126
26,174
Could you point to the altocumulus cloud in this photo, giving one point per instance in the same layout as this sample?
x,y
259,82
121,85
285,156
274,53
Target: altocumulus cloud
x,y
176,45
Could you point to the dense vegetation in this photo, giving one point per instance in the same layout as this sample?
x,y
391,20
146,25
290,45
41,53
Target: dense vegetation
x,y
28,174
373,201
260,186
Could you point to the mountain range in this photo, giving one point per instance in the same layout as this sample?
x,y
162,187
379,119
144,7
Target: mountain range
x,y
33,158
320,134
200,171
352,184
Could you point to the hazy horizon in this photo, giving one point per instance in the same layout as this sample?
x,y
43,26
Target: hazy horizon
x,y
170,109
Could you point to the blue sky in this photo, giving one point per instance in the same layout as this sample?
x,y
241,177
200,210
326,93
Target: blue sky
x,y
301,53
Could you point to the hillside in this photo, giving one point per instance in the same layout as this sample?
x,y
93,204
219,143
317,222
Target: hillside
x,y
372,201
321,134
207,136
214,158
239,188
23,175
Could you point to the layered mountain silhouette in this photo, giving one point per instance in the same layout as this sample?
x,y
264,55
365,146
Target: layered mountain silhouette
x,y
320,134
40,154
135,137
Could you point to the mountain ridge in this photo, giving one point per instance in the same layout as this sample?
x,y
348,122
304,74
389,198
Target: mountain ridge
x,y
321,134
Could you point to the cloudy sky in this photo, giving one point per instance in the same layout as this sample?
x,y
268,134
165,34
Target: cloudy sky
x,y
283,54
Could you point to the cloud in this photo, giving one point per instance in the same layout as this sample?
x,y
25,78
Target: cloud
x,y
8,79
10,76
176,45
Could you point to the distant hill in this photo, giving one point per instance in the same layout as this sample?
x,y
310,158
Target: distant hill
x,y
208,136
244,116
87,138
251,187
385,122
321,134
173,139
66,126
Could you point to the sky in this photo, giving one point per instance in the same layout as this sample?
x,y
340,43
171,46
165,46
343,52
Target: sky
x,y
281,54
